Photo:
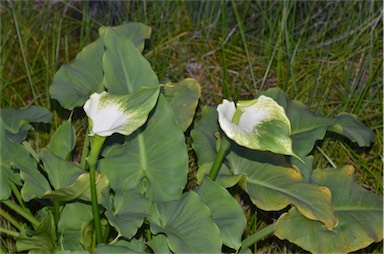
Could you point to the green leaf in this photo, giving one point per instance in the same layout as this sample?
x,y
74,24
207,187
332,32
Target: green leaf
x,y
159,244
63,140
349,126
122,246
136,32
188,225
61,173
360,215
43,240
226,212
153,159
73,83
16,121
183,97
308,127
16,165
35,184
126,211
204,141
270,181
74,219
272,187
8,152
79,189
125,69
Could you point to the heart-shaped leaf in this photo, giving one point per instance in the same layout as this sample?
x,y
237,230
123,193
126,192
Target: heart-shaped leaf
x,y
16,121
308,127
63,140
125,69
43,239
348,125
126,211
269,180
79,189
153,159
159,244
183,97
35,184
122,246
226,212
188,225
70,227
74,83
16,165
61,173
136,32
360,215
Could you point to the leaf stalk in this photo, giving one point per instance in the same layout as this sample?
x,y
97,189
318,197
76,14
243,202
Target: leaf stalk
x,y
96,145
224,146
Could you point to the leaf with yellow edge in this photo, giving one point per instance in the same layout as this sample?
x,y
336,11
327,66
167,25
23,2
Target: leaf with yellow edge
x,y
360,215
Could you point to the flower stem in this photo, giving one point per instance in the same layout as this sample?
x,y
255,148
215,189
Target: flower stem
x,y
84,152
256,237
97,143
224,146
21,211
56,211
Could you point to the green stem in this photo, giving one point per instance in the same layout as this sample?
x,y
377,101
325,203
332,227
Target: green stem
x,y
256,237
84,152
9,232
224,146
21,211
56,211
17,194
10,219
97,143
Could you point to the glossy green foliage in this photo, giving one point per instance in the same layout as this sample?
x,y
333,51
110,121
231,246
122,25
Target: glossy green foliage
x,y
359,212
90,72
187,224
153,160
16,121
183,97
226,212
14,126
142,174
273,182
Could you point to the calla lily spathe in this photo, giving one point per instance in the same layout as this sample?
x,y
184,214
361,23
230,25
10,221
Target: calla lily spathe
x,y
122,114
259,124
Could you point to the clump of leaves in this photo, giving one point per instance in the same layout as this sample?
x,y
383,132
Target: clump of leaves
x,y
127,194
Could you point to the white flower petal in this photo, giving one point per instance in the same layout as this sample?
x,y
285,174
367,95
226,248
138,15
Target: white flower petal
x,y
119,113
107,116
259,124
265,109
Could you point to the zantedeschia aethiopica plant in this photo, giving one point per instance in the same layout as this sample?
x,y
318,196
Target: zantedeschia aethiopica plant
x,y
130,192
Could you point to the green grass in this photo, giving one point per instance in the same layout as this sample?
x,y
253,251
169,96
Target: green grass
x,y
326,54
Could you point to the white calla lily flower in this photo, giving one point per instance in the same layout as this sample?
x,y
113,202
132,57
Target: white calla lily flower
x,y
259,124
122,114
